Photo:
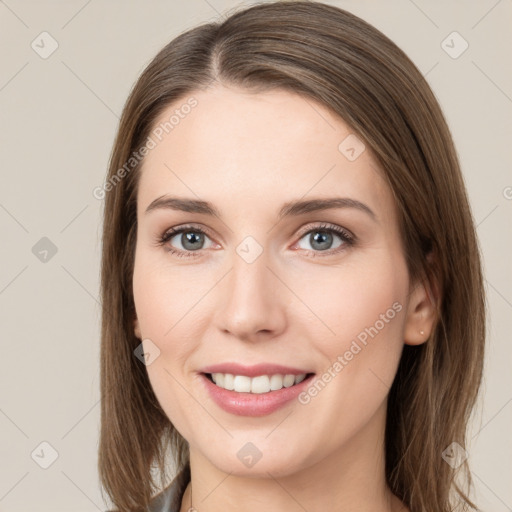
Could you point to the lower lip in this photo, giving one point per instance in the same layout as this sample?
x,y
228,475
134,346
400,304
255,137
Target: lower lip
x,y
253,404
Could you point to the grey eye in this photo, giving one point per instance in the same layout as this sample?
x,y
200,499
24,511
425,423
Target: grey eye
x,y
321,240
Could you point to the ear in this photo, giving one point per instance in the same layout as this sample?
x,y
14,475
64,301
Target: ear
x,y
136,329
421,311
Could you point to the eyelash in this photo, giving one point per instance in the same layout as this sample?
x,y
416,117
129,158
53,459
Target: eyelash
x,y
347,238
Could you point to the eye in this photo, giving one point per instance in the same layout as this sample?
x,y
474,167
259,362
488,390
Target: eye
x,y
322,238
190,238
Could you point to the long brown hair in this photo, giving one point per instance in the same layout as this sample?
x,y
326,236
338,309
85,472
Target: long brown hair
x,y
331,56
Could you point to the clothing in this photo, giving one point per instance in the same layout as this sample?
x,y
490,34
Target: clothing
x,y
169,500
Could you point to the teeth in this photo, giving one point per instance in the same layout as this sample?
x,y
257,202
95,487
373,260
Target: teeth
x,y
300,378
276,382
242,384
289,380
229,381
259,384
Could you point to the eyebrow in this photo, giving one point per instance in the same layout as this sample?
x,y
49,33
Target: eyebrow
x,y
292,208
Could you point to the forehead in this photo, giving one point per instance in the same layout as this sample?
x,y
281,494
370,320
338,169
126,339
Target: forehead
x,y
238,147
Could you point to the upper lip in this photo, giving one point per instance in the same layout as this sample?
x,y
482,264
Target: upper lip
x,y
253,370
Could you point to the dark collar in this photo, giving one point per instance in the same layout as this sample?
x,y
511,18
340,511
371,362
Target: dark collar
x,y
169,500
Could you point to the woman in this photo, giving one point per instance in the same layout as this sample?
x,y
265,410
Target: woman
x,y
293,306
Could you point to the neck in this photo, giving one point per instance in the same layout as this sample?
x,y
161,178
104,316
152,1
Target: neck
x,y
351,479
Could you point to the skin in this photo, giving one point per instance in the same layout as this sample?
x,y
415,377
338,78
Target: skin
x,y
287,307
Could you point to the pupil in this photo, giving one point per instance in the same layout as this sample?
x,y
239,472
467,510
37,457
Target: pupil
x,y
190,239
321,237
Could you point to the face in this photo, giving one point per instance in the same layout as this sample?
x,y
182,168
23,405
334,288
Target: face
x,y
321,295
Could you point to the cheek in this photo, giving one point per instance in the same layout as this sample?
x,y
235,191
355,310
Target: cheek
x,y
165,297
352,302
164,302
365,312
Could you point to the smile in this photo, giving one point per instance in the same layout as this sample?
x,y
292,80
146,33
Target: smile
x,y
259,384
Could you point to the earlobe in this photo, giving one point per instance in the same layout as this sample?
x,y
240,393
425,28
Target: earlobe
x,y
421,314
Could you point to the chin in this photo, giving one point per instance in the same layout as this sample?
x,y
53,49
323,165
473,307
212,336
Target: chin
x,y
249,461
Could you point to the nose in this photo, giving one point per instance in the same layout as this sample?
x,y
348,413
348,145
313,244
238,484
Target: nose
x,y
251,301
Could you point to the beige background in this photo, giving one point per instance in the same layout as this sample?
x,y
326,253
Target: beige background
x,y
58,120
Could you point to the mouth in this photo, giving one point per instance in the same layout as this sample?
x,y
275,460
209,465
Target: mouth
x,y
254,391
259,384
